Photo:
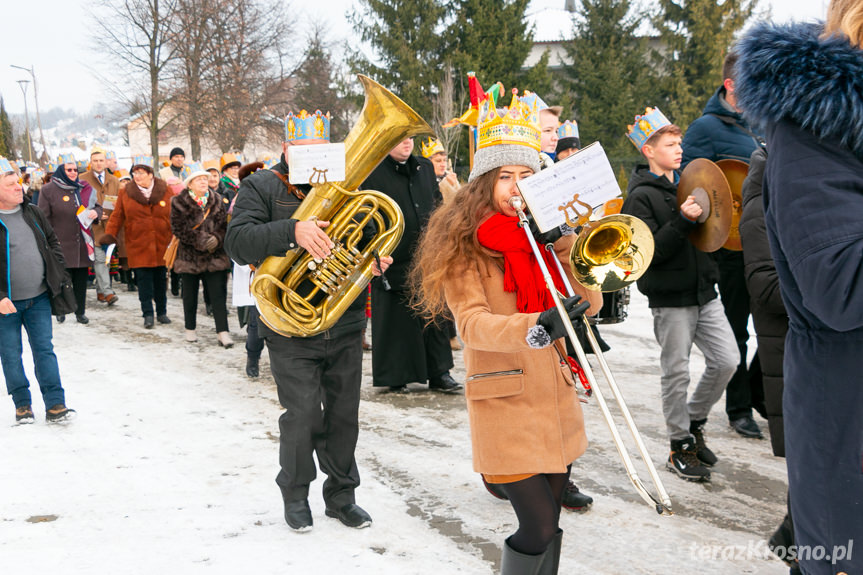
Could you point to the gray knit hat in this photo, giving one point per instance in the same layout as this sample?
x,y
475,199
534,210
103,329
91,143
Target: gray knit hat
x,y
487,159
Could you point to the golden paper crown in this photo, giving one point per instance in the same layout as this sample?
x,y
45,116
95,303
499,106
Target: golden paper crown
x,y
431,147
518,124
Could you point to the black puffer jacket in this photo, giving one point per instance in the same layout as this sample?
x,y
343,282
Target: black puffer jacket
x,y
679,274
261,226
768,310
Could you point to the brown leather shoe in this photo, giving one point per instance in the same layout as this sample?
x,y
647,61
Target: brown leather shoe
x,y
111,299
100,297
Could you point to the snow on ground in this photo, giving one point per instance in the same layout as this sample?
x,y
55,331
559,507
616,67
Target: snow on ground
x,y
170,466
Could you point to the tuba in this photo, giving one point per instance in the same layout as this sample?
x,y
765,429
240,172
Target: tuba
x,y
298,296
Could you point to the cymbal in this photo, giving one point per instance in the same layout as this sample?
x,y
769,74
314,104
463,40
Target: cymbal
x,y
735,172
705,181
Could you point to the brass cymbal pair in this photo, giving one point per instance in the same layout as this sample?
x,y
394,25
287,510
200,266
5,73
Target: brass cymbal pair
x,y
716,187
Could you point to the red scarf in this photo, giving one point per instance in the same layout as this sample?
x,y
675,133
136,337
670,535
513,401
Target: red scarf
x,y
521,273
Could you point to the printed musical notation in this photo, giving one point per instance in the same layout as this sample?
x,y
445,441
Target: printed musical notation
x,y
316,164
571,189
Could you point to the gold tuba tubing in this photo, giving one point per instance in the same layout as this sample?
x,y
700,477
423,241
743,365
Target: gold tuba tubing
x,y
299,297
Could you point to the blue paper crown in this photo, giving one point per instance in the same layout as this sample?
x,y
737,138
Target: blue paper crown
x,y
567,130
5,166
142,161
192,168
530,98
645,126
305,126
51,167
110,155
66,159
270,162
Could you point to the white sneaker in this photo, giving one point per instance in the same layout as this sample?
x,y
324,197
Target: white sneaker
x,y
191,336
225,339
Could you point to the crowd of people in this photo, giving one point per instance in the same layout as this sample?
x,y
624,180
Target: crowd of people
x,y
789,106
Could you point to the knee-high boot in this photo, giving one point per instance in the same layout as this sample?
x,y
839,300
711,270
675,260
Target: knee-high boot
x,y
552,555
514,563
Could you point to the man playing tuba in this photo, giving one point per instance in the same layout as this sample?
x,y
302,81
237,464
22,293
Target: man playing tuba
x,y
325,369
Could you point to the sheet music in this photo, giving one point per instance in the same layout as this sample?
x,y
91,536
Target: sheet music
x,y
316,163
586,174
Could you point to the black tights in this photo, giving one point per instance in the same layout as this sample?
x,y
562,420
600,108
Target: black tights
x,y
536,501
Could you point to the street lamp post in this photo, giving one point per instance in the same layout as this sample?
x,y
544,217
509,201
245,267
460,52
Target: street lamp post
x,y
23,84
32,72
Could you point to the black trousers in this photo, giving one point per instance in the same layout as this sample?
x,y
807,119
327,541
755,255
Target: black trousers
x,y
254,342
152,287
318,381
79,286
740,394
216,284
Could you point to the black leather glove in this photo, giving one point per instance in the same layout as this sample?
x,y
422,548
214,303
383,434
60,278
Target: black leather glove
x,y
551,321
543,239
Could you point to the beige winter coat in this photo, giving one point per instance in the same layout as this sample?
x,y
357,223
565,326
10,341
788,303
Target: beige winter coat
x,y
525,416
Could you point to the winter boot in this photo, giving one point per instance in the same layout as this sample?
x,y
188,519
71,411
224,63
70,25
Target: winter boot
x,y
24,414
705,456
225,340
552,555
514,563
684,462
191,336
575,500
252,369
59,413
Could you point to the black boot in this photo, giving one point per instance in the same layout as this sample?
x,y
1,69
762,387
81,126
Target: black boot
x,y
252,369
514,563
575,500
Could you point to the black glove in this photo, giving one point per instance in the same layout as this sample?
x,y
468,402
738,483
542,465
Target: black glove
x,y
552,322
543,239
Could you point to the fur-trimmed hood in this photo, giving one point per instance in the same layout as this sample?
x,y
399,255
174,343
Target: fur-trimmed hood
x,y
787,72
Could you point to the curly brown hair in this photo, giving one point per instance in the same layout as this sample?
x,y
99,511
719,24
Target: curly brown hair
x,y
448,242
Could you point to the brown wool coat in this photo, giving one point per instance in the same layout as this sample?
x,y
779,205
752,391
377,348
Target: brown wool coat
x,y
192,256
525,416
147,224
110,188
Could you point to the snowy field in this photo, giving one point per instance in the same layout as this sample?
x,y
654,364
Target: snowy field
x,y
170,466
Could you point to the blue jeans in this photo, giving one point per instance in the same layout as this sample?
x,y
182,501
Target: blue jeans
x,y
35,315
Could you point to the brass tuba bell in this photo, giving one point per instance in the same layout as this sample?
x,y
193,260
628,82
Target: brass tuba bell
x,y
298,296
611,253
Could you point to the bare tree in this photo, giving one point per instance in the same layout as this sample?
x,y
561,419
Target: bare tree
x,y
444,109
136,35
249,76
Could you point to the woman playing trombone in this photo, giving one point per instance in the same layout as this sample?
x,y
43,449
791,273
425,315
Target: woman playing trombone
x,y
476,260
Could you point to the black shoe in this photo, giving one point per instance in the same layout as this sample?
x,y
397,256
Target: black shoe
x,y
684,462
705,456
82,319
61,318
397,389
495,489
351,515
445,383
131,286
252,369
59,413
24,414
747,427
298,515
163,319
148,322
575,500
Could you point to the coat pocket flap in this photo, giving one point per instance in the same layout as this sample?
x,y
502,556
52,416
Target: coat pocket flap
x,y
493,385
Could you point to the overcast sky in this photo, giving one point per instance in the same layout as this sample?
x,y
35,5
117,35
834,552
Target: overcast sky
x,y
52,35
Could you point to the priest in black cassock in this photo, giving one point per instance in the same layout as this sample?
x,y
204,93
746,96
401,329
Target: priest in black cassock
x,y
404,349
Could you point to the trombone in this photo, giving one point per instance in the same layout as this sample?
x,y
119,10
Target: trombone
x,y
605,258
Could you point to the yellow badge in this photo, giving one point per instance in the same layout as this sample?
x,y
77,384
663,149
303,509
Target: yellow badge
x,y
162,203
65,198
225,200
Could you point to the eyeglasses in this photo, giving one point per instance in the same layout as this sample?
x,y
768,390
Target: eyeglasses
x,y
71,169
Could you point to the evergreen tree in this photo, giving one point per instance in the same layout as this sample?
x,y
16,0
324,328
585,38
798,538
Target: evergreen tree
x,y
7,139
406,36
696,35
493,39
315,86
606,83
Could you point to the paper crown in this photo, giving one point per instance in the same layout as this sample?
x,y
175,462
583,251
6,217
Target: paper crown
x,y
431,147
51,167
518,124
143,161
530,98
270,162
194,167
212,165
66,159
305,126
98,150
5,166
110,155
645,126
568,130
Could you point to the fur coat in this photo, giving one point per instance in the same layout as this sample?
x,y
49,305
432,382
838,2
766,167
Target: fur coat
x,y
192,256
806,92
